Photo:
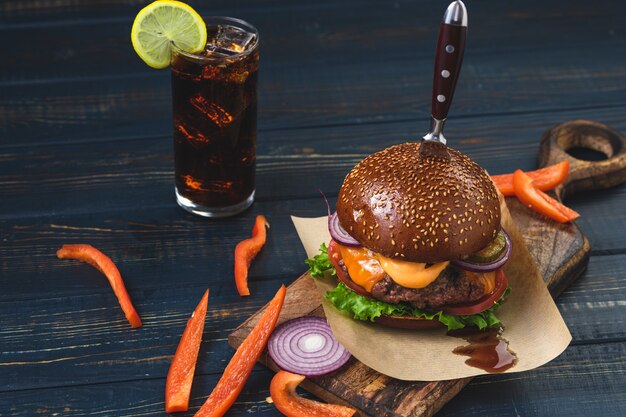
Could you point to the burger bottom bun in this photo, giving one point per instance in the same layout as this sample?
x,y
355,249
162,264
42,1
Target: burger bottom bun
x,y
408,322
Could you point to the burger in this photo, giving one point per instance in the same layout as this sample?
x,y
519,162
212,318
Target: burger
x,y
417,241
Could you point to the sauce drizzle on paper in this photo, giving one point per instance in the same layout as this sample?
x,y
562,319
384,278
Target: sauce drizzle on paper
x,y
487,350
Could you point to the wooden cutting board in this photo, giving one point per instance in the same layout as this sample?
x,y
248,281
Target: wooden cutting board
x,y
561,252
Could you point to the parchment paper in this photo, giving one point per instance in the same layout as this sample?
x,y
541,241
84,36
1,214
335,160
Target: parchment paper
x,y
533,325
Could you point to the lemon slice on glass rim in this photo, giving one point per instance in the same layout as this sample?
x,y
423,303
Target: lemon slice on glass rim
x,y
160,23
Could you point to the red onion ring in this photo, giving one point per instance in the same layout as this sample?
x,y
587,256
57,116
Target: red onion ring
x,y
306,346
338,233
491,266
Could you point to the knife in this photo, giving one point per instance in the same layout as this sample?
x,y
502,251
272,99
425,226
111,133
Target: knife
x,y
448,60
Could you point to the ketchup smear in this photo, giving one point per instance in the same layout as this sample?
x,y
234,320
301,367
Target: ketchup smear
x,y
487,350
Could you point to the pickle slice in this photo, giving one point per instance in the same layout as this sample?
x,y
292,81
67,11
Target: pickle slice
x,y
491,252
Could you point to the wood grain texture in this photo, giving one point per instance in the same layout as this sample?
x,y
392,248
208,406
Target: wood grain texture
x,y
326,31
595,293
291,163
42,12
591,374
152,251
585,306
561,251
559,141
83,339
167,243
85,155
491,395
78,179
318,95
568,247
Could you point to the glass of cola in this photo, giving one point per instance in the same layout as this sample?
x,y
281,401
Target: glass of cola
x,y
214,95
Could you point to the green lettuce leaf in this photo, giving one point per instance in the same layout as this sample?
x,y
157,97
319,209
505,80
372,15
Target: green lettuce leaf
x,y
363,308
319,264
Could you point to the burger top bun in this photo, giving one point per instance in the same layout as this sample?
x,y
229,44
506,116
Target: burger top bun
x,y
419,202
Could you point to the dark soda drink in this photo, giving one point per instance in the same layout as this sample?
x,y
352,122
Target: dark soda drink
x,y
214,97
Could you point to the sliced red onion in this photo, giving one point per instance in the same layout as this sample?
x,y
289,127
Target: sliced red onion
x,y
338,233
306,346
491,266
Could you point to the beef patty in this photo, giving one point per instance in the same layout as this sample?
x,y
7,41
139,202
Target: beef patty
x,y
452,286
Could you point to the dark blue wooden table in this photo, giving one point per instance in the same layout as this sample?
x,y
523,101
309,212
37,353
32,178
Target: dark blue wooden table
x,y
86,156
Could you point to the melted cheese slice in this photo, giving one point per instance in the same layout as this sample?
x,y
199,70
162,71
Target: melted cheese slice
x,y
488,279
362,265
366,268
411,274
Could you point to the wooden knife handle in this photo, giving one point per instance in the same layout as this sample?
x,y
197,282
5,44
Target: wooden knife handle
x,y
448,60
585,175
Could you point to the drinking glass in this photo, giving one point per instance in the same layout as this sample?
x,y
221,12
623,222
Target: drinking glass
x,y
214,98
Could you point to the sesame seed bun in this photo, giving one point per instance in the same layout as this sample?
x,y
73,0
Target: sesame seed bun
x,y
419,202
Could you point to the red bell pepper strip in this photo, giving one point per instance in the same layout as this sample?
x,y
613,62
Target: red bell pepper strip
x,y
104,264
180,375
245,251
288,402
238,369
544,179
540,201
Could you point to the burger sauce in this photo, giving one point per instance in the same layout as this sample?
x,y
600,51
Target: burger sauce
x,y
487,350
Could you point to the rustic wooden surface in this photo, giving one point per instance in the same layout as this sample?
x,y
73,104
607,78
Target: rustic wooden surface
x,y
86,156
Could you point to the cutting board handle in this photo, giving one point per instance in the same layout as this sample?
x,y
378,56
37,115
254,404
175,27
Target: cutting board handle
x,y
585,175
